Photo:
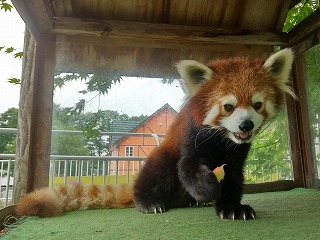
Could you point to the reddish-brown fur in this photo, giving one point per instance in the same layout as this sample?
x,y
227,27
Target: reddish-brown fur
x,y
229,80
48,202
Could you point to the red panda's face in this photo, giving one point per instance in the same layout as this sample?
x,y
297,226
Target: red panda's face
x,y
237,96
240,120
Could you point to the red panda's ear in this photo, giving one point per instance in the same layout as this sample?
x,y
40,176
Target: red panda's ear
x,y
193,74
279,66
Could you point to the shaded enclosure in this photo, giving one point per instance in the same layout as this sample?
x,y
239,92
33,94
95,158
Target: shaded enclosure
x,y
144,38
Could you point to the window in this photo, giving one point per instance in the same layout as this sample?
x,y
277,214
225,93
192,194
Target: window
x,y
129,151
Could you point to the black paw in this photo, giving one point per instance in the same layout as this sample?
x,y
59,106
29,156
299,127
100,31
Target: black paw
x,y
154,207
203,186
238,212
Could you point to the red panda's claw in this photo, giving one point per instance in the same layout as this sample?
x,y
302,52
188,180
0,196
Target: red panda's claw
x,y
156,207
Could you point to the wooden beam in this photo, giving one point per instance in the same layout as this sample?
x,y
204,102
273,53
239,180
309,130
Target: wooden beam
x,y
282,185
153,43
37,21
299,128
35,114
41,118
305,28
140,61
306,44
283,12
24,119
130,33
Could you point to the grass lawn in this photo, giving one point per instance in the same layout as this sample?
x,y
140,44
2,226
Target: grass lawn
x,y
292,214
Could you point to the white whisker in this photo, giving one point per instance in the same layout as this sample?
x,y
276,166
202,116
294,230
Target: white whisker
x,y
209,131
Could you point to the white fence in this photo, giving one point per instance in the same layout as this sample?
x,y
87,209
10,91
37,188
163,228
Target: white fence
x,y
6,179
77,168
102,169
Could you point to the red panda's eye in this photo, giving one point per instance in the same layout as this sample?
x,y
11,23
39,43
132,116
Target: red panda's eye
x,y
257,105
228,107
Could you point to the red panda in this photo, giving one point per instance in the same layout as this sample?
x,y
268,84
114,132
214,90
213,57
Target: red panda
x,y
228,101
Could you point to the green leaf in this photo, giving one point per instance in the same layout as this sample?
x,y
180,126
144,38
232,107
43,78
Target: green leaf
x,y
79,107
18,55
9,50
58,82
6,6
299,12
83,91
102,83
14,81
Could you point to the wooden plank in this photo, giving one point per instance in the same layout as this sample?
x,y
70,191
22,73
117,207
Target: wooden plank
x,y
282,185
294,138
300,133
162,44
133,31
43,13
306,44
34,121
142,62
24,120
41,122
283,12
36,26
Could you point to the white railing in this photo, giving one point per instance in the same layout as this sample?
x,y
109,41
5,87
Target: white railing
x,y
101,169
6,179
75,167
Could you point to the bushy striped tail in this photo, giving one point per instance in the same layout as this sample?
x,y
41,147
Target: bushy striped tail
x,y
49,202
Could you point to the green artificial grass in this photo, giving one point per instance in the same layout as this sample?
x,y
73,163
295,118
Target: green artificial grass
x,y
290,215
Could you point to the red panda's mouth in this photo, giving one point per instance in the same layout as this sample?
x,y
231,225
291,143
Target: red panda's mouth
x,y
243,135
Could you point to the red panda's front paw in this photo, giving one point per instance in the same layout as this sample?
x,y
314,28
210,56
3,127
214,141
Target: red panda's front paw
x,y
238,212
152,207
202,184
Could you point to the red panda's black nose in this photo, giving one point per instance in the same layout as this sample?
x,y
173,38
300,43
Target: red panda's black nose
x,y
246,126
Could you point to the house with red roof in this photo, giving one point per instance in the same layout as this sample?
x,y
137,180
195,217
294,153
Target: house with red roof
x,y
139,146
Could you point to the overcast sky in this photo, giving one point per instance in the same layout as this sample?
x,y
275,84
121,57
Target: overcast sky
x,y
11,35
133,96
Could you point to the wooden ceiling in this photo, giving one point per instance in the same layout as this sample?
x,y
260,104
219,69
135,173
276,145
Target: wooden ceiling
x,y
147,37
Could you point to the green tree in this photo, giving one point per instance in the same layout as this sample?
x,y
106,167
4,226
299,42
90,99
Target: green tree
x,y
100,83
91,124
312,57
299,12
8,119
63,144
269,156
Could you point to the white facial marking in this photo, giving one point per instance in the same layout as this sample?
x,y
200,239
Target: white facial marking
x,y
214,111
232,122
211,115
229,99
257,97
270,109
269,106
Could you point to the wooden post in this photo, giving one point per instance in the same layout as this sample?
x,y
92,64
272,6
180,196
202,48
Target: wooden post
x,y
299,128
35,116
